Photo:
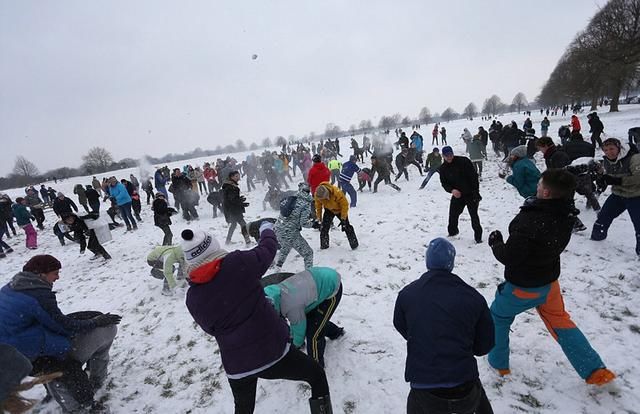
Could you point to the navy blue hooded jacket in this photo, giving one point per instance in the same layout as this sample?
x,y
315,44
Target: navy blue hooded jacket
x,y
445,322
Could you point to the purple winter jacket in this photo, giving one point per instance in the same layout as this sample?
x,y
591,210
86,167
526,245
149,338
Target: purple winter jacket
x,y
229,303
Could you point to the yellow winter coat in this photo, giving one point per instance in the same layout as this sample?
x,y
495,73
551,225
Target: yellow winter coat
x,y
336,203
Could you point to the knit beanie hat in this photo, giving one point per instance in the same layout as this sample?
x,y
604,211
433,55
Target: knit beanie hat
x,y
322,192
519,151
42,263
440,255
200,247
447,150
15,367
316,158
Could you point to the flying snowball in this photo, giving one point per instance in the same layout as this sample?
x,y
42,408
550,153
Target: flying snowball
x,y
254,56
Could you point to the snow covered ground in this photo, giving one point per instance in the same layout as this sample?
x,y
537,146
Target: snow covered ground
x,y
162,362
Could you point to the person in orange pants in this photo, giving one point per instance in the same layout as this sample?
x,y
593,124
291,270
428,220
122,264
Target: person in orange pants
x,y
531,255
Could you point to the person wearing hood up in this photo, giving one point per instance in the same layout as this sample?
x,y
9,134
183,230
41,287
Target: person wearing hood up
x,y
621,165
442,368
531,257
525,175
294,215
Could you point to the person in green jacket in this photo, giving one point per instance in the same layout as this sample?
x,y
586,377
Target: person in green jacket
x,y
432,164
308,300
162,260
525,175
335,167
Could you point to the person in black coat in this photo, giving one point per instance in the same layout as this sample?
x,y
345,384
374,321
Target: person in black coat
x,y
182,191
233,206
81,232
459,177
63,205
553,156
531,257
162,217
93,198
576,148
442,368
597,128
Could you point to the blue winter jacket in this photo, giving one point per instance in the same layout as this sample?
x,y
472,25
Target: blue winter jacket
x,y
348,169
31,321
159,179
525,177
120,193
445,322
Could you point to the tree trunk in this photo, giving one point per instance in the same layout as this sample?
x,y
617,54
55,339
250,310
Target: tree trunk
x,y
615,94
594,103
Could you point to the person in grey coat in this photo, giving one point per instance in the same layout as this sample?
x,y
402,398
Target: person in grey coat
x,y
288,229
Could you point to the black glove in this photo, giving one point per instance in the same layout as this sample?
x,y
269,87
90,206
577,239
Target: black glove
x,y
611,180
107,319
245,204
316,225
495,238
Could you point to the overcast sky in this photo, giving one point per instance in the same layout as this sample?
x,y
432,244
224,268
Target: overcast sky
x,y
152,77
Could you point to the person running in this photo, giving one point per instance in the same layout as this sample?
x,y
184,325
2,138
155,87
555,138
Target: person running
x,y
431,165
344,182
531,255
225,298
122,198
162,260
162,217
234,206
23,220
441,368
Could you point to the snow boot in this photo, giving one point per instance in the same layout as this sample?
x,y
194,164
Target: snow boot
x,y
395,187
320,405
600,377
2,255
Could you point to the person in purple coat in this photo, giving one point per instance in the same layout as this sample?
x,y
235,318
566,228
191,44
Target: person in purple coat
x,y
226,299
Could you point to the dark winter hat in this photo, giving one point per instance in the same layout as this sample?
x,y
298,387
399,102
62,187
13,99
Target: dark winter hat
x,y
435,149
42,263
200,247
59,195
19,200
15,367
447,150
232,173
316,158
353,158
440,255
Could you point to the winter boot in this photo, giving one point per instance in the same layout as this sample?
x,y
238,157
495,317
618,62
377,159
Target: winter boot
x,y
10,250
600,377
106,256
320,405
2,255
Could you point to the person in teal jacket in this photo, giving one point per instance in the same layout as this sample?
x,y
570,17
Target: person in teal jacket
x,y
525,175
308,300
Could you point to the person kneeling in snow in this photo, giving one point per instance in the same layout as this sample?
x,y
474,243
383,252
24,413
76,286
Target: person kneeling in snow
x,y
308,300
161,259
226,299
31,321
531,257
442,368
80,232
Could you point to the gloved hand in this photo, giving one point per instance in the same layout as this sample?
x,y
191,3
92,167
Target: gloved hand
x,y
495,238
265,225
245,204
107,319
316,225
611,180
502,174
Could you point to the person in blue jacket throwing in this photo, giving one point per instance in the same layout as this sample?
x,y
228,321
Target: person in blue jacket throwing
x,y
344,181
119,192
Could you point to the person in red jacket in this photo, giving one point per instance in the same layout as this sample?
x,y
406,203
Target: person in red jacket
x,y
575,124
210,175
318,173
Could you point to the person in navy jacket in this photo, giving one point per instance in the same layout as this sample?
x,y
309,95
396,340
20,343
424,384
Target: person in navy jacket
x,y
446,324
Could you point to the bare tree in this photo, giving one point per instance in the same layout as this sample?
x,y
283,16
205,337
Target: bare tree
x,y
97,160
266,143
406,121
470,111
240,145
253,146
492,106
24,168
520,101
425,116
386,122
366,125
449,114
280,140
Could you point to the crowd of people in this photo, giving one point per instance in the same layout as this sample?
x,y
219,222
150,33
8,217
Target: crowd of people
x,y
230,297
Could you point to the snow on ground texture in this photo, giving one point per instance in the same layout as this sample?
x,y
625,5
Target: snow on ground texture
x,y
162,362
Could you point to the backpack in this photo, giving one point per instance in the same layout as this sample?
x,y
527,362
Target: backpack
x,y
287,205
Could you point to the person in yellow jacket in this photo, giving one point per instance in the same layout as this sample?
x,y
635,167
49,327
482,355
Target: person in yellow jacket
x,y
330,199
335,167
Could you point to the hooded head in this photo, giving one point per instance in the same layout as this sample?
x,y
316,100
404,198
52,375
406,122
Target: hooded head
x,y
322,192
440,255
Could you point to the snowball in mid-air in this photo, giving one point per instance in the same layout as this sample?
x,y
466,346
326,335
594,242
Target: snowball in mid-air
x,y
254,56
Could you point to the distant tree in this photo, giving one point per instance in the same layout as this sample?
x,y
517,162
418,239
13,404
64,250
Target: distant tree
x,y
240,145
366,125
352,130
406,121
397,118
520,101
228,149
280,140
292,139
332,131
493,106
97,160
24,168
425,116
253,146
449,114
470,110
266,143
386,122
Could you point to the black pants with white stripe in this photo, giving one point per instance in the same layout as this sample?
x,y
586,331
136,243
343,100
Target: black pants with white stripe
x,y
319,326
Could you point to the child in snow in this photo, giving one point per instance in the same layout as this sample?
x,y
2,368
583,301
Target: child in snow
x,y
23,219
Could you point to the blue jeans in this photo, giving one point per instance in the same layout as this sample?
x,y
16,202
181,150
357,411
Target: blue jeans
x,y
612,208
429,175
125,212
348,189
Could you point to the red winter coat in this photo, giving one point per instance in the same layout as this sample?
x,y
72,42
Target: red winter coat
x,y
210,174
318,173
575,124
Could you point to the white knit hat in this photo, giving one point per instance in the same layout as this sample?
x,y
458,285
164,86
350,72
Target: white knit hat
x,y
200,247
